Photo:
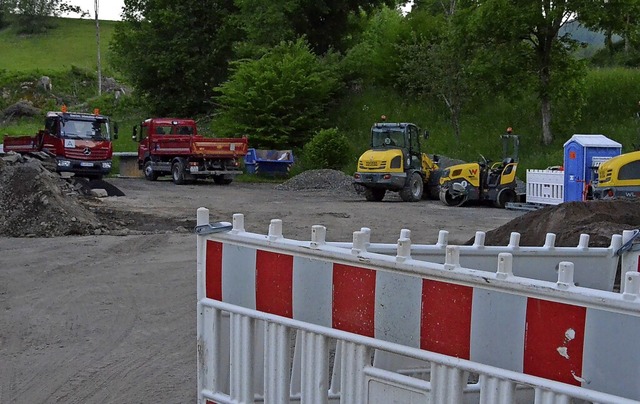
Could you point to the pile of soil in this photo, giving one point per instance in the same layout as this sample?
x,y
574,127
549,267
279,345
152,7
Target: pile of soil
x,y
599,219
35,201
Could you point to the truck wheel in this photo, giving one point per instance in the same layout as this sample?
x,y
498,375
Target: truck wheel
x,y
413,189
374,194
177,170
506,195
450,200
149,173
220,180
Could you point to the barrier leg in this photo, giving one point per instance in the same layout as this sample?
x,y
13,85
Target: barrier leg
x,y
242,356
354,358
276,363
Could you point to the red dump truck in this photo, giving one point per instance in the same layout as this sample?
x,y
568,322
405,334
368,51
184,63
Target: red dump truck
x,y
81,143
170,146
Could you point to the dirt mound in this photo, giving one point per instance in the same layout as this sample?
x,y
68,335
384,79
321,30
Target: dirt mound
x,y
36,202
599,219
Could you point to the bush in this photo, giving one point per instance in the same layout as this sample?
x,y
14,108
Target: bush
x,y
327,149
279,100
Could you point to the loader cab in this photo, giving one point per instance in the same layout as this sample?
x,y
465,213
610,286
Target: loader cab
x,y
399,136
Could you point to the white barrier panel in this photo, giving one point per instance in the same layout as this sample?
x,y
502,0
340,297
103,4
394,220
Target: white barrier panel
x,y
539,333
595,267
545,187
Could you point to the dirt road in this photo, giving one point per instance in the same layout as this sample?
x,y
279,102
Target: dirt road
x,y
111,318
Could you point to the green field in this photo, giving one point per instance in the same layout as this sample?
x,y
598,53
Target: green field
x,y
71,43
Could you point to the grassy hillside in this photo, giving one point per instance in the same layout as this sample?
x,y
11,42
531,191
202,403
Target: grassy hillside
x,y
72,42
611,104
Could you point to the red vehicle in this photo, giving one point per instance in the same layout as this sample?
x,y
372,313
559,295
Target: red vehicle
x,y
81,143
170,146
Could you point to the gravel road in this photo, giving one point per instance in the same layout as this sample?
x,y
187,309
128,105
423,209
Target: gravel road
x,y
111,318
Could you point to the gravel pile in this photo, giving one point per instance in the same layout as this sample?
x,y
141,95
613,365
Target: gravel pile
x,y
319,180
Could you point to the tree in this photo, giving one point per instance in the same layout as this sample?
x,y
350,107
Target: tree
x,y
31,15
529,31
175,53
326,24
374,59
436,62
6,7
614,17
278,100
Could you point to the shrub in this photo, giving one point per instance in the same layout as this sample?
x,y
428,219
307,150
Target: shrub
x,y
278,100
327,149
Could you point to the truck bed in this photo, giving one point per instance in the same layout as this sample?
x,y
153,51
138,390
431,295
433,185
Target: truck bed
x,y
219,147
20,144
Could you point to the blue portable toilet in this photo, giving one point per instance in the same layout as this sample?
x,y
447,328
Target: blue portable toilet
x,y
582,156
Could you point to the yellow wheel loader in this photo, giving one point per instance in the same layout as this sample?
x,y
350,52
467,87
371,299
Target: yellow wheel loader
x,y
482,181
618,177
395,163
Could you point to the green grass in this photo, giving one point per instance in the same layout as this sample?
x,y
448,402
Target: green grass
x,y
611,97
71,43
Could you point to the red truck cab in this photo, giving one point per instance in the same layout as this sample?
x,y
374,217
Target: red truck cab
x,y
81,143
172,146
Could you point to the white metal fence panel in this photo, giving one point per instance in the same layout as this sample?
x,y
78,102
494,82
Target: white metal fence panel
x,y
545,187
595,267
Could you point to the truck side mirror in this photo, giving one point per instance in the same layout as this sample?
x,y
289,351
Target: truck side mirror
x,y
134,137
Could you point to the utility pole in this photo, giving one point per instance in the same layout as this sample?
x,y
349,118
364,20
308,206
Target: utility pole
x,y
95,6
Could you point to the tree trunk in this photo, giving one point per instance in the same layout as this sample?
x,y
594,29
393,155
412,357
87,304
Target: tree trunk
x,y
455,121
547,136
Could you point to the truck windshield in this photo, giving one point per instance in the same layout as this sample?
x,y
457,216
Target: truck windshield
x,y
86,129
387,137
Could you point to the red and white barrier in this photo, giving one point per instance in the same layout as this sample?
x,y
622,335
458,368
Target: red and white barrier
x,y
537,329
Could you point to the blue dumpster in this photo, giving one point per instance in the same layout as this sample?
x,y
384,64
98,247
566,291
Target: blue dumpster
x,y
582,156
268,162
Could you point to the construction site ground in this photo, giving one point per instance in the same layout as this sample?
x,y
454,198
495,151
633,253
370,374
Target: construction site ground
x,y
108,314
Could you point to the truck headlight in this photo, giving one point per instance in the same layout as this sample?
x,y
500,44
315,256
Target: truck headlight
x,y
106,164
64,163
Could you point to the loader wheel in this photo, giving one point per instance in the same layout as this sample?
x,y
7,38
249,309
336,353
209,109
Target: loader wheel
x,y
374,194
450,200
149,174
412,191
507,195
178,172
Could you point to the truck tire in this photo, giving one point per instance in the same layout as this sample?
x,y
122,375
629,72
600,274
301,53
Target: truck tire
x,y
220,180
149,173
374,194
177,171
413,188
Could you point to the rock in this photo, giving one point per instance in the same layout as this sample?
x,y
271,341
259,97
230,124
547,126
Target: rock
x,y
20,109
11,157
99,193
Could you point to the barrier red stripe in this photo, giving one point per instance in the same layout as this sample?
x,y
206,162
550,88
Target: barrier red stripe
x,y
445,323
554,340
354,298
213,268
274,283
